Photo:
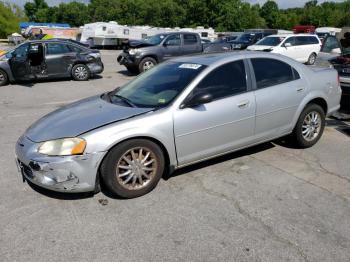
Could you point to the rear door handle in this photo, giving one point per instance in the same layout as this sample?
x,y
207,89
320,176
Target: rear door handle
x,y
300,89
243,104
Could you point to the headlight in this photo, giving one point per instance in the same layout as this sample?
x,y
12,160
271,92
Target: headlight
x,y
133,51
63,147
238,46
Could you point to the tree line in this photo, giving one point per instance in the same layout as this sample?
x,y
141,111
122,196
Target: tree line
x,y
223,15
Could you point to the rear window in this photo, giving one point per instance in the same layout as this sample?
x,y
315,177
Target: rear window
x,y
190,39
271,72
330,44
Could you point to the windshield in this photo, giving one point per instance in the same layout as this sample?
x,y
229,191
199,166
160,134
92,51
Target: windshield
x,y
245,37
159,86
271,41
154,40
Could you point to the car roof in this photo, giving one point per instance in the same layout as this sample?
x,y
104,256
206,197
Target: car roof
x,y
213,59
289,35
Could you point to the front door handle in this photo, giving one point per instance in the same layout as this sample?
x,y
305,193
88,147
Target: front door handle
x,y
243,104
300,89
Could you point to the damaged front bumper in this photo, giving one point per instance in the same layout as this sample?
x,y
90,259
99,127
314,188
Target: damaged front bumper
x,y
128,60
58,173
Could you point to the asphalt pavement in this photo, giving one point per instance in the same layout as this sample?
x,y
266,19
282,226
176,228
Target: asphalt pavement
x,y
266,203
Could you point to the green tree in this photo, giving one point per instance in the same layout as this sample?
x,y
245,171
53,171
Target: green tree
x,y
10,16
270,12
31,9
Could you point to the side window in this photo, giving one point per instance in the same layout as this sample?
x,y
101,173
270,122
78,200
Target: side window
x,y
21,51
190,39
173,40
75,49
226,80
290,40
330,44
302,40
313,40
57,48
271,72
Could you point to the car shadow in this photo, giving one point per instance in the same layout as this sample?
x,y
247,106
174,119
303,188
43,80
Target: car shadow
x,y
32,83
217,160
127,73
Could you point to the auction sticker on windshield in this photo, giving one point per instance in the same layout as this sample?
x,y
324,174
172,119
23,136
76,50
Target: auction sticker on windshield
x,y
190,66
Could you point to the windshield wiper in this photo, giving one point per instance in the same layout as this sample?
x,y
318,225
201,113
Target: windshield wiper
x,y
124,99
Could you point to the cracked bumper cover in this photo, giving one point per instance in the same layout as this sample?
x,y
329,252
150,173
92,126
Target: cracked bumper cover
x,y
62,174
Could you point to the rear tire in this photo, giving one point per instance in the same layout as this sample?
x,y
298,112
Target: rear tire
x,y
312,59
80,72
133,168
309,127
146,64
3,78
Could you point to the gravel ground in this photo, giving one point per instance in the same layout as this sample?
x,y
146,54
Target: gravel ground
x,y
266,203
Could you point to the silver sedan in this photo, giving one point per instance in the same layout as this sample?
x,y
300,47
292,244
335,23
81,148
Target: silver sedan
x,y
181,112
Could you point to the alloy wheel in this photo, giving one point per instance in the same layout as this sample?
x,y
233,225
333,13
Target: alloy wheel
x,y
136,168
81,72
311,126
2,77
148,65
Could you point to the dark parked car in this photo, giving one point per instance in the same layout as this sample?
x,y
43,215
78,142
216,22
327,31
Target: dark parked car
x,y
140,56
336,51
221,44
247,39
45,59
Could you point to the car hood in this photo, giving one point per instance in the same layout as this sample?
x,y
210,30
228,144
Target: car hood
x,y
138,44
80,117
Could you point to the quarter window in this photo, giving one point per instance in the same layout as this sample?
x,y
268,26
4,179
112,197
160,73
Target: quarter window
x,y
271,72
56,48
75,49
227,80
190,39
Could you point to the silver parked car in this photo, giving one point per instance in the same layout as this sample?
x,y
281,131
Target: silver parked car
x,y
181,112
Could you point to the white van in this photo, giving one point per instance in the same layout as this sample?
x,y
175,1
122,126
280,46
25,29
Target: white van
x,y
301,47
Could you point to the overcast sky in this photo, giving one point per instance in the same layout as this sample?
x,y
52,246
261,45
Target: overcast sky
x,y
281,3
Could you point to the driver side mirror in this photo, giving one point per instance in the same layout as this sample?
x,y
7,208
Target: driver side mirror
x,y
287,45
198,99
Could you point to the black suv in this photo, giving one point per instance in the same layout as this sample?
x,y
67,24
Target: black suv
x,y
247,39
47,59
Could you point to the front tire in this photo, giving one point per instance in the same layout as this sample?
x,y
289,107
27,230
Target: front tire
x,y
309,127
3,78
312,59
80,72
133,168
146,64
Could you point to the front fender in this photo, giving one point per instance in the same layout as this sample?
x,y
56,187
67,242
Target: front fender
x,y
154,125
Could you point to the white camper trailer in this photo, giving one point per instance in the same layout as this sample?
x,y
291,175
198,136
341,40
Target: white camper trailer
x,y
112,34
